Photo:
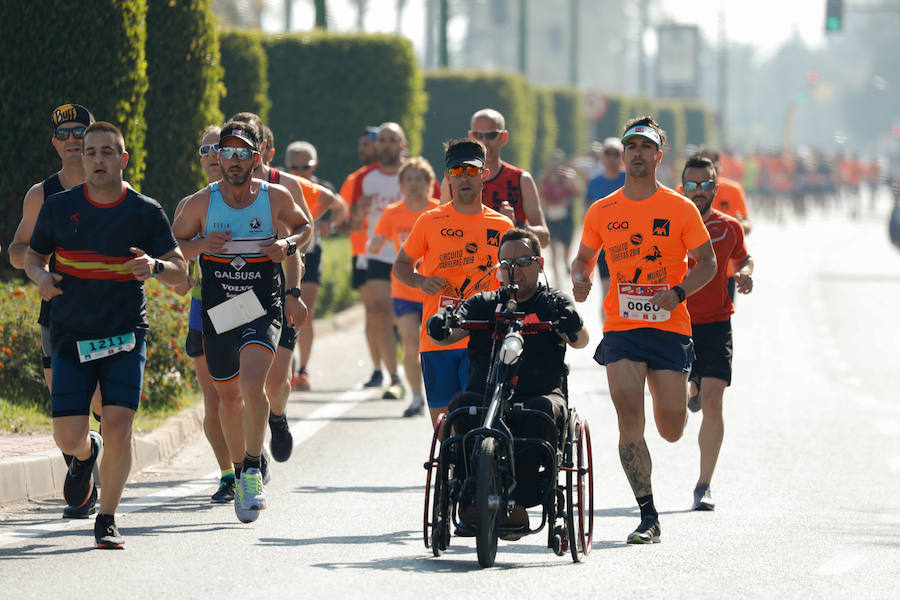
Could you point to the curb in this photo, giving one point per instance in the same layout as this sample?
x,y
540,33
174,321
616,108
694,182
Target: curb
x,y
40,475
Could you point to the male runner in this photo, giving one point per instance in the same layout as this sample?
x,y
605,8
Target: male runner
x,y
647,230
106,240
69,123
510,191
301,160
711,311
242,295
193,344
416,179
457,244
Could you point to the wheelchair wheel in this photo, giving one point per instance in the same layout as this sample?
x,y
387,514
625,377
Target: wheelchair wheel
x,y
579,488
436,527
487,503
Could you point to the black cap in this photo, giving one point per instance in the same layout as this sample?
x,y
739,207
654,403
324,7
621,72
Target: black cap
x,y
66,113
464,153
240,131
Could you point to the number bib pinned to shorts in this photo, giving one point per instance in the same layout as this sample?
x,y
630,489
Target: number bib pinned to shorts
x,y
635,304
89,350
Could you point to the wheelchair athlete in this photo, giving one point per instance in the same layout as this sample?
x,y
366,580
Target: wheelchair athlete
x,y
542,372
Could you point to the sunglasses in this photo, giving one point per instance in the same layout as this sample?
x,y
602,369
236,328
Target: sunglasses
x,y
62,134
486,135
465,170
615,153
691,186
207,148
308,165
519,261
228,152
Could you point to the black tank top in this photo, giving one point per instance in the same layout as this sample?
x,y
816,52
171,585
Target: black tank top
x,y
51,185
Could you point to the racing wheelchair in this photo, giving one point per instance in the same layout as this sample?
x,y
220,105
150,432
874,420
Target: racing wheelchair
x,y
477,468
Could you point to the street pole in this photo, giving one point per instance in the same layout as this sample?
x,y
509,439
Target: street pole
x,y
574,9
523,36
443,55
288,10
723,74
321,15
642,59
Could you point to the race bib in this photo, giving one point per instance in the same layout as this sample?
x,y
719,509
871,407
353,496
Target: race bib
x,y
556,212
635,305
89,350
235,312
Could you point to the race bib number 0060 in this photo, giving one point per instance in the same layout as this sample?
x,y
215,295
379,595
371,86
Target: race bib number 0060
x,y
89,350
635,304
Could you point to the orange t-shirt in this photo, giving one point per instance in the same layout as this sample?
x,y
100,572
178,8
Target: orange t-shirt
x,y
730,198
312,192
461,249
395,223
348,193
646,244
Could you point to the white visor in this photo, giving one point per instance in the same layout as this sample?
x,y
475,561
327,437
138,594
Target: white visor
x,y
644,131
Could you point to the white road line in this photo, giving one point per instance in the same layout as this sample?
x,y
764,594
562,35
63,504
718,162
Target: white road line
x,y
302,431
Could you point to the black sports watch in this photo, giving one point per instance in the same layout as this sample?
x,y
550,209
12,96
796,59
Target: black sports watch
x,y
158,267
294,291
292,248
680,291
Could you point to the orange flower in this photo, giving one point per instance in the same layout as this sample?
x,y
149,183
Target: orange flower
x,y
6,351
2,366
20,292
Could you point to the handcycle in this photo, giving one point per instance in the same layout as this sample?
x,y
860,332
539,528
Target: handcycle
x,y
478,467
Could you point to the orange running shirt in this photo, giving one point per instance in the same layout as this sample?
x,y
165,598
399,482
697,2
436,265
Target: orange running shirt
x,y
730,198
395,223
348,193
646,244
461,249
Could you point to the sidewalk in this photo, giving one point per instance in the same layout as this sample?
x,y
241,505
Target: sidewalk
x,y
31,467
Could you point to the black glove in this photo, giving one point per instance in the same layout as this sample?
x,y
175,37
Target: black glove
x,y
437,327
569,322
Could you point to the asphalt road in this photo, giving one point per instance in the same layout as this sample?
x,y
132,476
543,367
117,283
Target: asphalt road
x,y
807,486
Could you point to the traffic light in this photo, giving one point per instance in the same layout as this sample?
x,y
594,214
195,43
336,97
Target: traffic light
x,y
834,15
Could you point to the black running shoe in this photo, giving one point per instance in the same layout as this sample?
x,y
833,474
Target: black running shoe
x,y
282,440
79,483
225,493
646,533
264,466
694,401
107,534
82,512
703,498
375,380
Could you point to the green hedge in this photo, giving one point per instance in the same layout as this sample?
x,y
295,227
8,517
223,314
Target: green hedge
x,y
701,125
168,374
547,134
183,98
246,73
571,126
335,293
452,99
671,117
325,88
47,62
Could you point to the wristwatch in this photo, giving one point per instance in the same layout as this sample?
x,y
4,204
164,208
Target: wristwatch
x,y
294,291
680,291
158,267
292,248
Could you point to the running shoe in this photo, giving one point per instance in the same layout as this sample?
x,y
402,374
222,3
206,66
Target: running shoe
x,y
375,380
395,391
82,512
79,483
282,440
225,493
252,495
244,515
694,401
703,498
301,382
264,461
416,407
106,534
646,533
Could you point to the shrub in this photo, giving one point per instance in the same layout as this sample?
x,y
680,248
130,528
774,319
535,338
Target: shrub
x,y
335,293
104,70
183,98
325,88
547,133
453,97
570,123
700,125
246,73
671,118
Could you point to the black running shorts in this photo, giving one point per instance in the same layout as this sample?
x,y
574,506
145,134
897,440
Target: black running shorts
x,y
713,347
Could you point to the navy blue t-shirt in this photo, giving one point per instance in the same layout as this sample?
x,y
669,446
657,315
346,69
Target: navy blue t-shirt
x,y
601,187
90,242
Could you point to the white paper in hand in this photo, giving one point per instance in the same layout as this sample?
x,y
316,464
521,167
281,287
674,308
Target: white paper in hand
x,y
235,312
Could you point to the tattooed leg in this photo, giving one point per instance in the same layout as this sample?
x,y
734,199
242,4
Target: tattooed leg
x,y
636,462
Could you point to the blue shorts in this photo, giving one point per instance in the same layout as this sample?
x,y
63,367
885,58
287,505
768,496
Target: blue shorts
x,y
195,316
445,373
120,377
660,350
404,307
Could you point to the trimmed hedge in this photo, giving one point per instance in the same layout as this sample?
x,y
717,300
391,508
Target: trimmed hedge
x,y
246,73
571,126
701,125
671,118
104,70
454,96
547,133
325,88
183,98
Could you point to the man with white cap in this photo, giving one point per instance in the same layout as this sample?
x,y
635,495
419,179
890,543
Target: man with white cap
x,y
647,230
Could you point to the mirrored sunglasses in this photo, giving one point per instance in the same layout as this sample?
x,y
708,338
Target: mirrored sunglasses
x,y
691,186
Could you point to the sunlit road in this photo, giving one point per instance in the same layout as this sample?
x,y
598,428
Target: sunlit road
x,y
808,483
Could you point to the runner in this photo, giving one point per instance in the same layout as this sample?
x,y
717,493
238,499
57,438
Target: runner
x,y
730,199
647,230
510,190
193,344
602,185
711,310
106,240
242,293
560,189
69,122
416,179
458,244
301,159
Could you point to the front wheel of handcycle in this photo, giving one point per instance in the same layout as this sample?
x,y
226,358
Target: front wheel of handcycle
x,y
487,502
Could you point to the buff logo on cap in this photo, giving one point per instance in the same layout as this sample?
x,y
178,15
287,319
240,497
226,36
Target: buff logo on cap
x,y
643,131
71,112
